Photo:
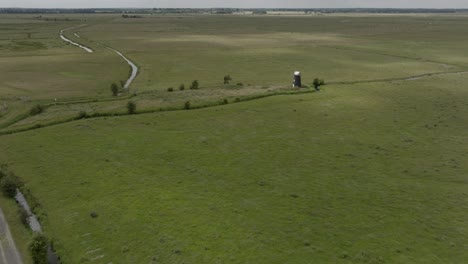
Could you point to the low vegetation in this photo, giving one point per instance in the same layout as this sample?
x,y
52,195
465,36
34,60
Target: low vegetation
x,y
317,83
37,109
131,108
38,248
114,89
227,79
195,85
9,183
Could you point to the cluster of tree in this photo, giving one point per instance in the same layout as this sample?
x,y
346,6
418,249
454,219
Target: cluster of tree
x,y
131,16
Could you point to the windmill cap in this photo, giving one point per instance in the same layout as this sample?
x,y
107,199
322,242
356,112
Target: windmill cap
x,y
297,73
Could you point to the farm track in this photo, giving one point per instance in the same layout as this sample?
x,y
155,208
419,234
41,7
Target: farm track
x,y
89,50
407,78
132,77
444,64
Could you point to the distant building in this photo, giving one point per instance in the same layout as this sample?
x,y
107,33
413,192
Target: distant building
x,y
297,79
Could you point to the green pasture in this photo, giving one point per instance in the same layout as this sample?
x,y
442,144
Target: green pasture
x,y
260,52
357,173
372,169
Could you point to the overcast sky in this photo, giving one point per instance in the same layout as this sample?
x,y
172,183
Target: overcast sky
x,y
235,3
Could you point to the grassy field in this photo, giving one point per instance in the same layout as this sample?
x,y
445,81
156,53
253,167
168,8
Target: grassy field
x,y
363,172
259,52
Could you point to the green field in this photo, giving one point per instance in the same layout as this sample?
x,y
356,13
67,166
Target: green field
x,y
372,169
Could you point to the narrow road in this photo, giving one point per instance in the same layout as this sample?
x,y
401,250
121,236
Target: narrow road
x,y
74,43
132,65
8,252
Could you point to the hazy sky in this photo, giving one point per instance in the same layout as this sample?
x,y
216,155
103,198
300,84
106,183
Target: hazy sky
x,y
236,3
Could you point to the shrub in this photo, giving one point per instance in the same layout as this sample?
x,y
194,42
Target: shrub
x,y
24,216
122,84
82,115
240,84
131,107
170,89
9,184
2,172
227,79
195,85
225,101
37,109
318,82
182,87
187,105
114,89
38,248
237,100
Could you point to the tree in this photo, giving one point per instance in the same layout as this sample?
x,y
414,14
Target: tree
x,y
9,184
114,89
194,85
182,87
317,83
227,79
131,108
38,248
187,105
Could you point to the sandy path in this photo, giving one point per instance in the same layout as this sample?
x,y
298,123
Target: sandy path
x,y
74,43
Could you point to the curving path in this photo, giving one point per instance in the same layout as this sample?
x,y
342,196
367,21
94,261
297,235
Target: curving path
x,y
74,43
132,65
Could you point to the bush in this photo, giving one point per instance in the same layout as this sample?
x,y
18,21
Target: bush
x,y
195,85
82,115
225,101
187,105
38,248
9,184
122,84
170,89
227,79
37,109
131,107
2,172
114,89
318,82
240,84
24,216
182,87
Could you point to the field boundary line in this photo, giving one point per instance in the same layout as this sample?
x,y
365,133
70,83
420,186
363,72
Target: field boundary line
x,y
407,78
150,111
391,55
